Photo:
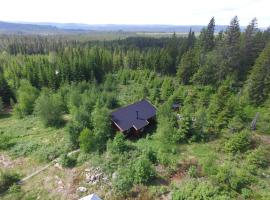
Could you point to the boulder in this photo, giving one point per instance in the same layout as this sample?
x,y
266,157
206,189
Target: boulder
x,y
82,189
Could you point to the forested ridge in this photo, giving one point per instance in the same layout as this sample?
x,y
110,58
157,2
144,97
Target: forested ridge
x,y
217,143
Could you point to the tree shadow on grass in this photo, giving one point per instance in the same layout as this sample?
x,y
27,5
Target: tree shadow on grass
x,y
5,115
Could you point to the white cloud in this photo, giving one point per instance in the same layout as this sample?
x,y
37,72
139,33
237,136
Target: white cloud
x,y
135,11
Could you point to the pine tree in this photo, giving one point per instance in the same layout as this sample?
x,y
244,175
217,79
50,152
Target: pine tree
x,y
207,36
230,51
251,47
258,84
5,91
188,66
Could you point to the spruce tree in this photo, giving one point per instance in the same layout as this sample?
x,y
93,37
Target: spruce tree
x,y
258,84
207,36
251,47
230,51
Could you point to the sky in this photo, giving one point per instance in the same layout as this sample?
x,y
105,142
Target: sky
x,y
175,12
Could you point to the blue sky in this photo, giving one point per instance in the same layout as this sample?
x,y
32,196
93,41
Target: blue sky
x,y
178,12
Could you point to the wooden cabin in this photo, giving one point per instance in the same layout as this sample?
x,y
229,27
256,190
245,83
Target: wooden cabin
x,y
134,118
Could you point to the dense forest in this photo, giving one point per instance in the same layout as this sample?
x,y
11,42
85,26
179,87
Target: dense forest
x,y
221,80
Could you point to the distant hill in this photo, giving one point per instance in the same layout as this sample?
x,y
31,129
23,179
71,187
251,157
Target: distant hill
x,y
70,28
28,28
132,28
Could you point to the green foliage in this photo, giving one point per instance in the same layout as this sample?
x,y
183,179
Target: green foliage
x,y
257,158
233,178
24,148
7,179
87,141
5,142
238,142
47,154
26,97
184,132
118,145
143,171
102,127
166,89
207,37
192,171
5,91
259,79
188,66
49,108
124,181
67,161
1,106
198,189
74,130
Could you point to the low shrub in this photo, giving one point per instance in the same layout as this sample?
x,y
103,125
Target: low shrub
x,y
257,158
5,142
239,142
118,145
233,178
1,106
192,171
143,170
49,107
46,154
7,179
123,182
24,149
67,161
198,189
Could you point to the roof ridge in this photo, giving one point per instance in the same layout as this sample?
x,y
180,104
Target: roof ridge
x,y
123,107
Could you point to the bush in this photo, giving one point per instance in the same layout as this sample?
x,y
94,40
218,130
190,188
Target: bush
x,y
257,158
143,171
150,154
5,142
239,142
46,154
118,145
192,171
24,148
74,130
87,141
123,182
196,189
232,178
67,161
1,105
7,179
26,97
49,108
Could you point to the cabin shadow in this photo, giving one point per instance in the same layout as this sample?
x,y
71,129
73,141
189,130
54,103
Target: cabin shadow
x,y
149,130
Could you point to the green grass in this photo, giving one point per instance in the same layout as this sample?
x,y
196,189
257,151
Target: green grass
x,y
28,136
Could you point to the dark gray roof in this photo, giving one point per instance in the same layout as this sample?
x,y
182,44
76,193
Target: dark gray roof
x,y
126,117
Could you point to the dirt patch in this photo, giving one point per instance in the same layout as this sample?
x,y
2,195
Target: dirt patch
x,y
183,168
263,138
7,163
61,184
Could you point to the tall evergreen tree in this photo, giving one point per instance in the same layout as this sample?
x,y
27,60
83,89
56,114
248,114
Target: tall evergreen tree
x,y
207,36
258,85
251,47
188,66
5,91
230,50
